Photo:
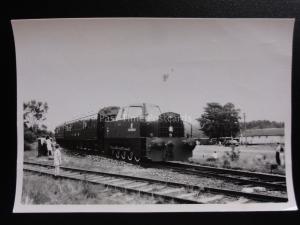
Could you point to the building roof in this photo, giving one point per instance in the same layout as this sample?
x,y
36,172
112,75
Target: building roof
x,y
264,132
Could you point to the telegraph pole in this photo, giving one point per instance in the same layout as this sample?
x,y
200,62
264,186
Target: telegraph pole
x,y
244,114
191,126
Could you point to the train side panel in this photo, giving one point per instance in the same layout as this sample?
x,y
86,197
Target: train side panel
x,y
125,136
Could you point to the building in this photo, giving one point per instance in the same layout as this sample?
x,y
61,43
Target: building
x,y
262,136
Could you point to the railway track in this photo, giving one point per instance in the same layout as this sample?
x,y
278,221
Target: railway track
x,y
241,177
270,181
177,192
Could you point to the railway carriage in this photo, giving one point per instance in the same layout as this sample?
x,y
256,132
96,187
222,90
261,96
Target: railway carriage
x,y
132,133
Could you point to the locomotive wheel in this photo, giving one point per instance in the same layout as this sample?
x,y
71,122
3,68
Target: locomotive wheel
x,y
117,154
130,156
123,155
137,159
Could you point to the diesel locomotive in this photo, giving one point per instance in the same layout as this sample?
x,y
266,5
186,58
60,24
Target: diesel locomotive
x,y
132,133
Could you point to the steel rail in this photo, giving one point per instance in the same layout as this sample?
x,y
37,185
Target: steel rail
x,y
229,171
253,196
242,177
272,181
179,200
113,186
277,177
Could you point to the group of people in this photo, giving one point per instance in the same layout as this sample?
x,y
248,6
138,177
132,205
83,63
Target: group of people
x,y
48,147
279,154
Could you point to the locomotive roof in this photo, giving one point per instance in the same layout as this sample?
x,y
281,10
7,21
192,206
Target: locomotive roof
x,y
78,119
109,110
140,105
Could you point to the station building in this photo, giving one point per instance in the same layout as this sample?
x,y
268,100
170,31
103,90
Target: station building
x,y
262,136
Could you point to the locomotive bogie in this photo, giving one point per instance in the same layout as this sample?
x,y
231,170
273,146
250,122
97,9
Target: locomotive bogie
x,y
132,149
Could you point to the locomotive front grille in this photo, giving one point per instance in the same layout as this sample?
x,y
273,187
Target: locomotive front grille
x,y
170,125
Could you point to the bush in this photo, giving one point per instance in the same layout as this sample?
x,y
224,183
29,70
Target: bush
x,y
88,191
29,136
27,146
234,155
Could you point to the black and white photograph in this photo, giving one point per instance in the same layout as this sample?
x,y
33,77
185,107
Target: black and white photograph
x,y
154,114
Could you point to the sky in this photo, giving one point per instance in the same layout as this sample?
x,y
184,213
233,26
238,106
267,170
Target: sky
x,y
81,65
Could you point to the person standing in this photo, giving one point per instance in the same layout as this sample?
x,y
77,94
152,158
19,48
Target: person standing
x,y
57,160
282,159
53,143
277,154
49,146
40,146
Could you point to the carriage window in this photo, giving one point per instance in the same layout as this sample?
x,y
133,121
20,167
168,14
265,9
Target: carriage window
x,y
94,123
90,123
68,127
84,124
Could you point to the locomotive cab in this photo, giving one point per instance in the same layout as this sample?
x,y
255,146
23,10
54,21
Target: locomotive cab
x,y
125,136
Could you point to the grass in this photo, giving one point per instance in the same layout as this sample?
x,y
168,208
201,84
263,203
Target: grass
x,y
253,158
41,189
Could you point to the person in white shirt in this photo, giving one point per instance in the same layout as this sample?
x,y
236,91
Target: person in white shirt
x,y
57,160
49,146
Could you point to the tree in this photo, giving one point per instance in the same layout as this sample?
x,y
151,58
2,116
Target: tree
x,y
220,121
34,114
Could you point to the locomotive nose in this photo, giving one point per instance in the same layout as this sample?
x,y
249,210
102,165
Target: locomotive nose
x,y
157,144
170,145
